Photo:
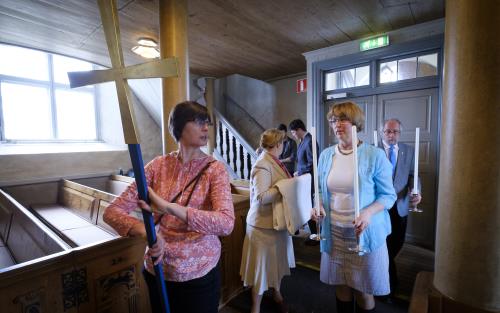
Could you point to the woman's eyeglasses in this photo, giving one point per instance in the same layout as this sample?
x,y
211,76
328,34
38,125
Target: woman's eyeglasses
x,y
202,122
334,120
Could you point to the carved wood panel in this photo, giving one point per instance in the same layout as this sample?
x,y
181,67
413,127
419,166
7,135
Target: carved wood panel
x,y
81,203
232,247
100,278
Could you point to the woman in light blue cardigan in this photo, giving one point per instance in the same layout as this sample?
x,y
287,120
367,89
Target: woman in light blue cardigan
x,y
354,275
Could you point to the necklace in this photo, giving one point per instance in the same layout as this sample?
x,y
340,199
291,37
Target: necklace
x,y
344,153
347,152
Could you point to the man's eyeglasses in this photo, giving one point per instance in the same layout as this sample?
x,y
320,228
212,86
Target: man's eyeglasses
x,y
334,120
391,131
202,122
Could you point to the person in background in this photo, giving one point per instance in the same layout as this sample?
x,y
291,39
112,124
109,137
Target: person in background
x,y
267,253
192,204
359,276
304,163
287,157
401,157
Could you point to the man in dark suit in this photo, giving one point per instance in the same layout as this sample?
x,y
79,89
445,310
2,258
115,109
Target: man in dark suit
x,y
401,157
289,151
304,162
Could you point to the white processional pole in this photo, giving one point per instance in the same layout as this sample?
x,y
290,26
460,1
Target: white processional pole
x,y
315,182
354,135
415,190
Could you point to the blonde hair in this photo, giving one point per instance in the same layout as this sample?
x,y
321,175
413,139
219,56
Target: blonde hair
x,y
271,138
348,110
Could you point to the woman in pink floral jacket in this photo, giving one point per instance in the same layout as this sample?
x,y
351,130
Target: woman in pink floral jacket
x,y
191,201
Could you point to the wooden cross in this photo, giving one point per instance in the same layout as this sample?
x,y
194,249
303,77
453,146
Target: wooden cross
x,y
119,74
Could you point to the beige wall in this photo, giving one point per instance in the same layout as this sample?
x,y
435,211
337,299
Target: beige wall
x,y
289,104
268,103
17,169
248,104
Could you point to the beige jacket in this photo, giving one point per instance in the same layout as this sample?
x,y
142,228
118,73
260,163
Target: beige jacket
x,y
263,177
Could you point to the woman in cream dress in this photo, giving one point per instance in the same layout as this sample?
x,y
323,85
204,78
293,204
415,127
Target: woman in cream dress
x,y
267,253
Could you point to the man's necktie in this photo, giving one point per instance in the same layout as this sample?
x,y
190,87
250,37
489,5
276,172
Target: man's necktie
x,y
392,157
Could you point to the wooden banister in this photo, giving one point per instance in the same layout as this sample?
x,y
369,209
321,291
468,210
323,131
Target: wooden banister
x,y
233,148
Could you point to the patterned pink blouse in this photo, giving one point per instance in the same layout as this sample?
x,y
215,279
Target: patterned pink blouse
x,y
192,248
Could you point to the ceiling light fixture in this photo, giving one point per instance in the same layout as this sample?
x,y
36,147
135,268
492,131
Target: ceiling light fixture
x,y
146,48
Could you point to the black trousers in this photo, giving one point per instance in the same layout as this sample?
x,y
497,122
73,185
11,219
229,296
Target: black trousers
x,y
312,226
311,223
199,295
395,242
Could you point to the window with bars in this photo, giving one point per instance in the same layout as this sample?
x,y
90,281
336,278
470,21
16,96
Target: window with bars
x,y
36,103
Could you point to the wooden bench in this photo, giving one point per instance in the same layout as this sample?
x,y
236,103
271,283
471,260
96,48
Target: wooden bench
x,y
106,274
240,187
77,217
232,247
42,273
104,277
22,236
117,184
6,259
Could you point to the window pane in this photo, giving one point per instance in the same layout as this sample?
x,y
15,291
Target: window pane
x,y
332,81
63,65
363,76
22,62
347,77
427,65
407,68
75,115
26,112
388,72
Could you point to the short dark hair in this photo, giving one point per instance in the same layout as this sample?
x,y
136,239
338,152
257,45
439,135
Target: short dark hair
x,y
296,124
183,113
282,127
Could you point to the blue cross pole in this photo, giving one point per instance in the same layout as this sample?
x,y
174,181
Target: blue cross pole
x,y
142,190
119,73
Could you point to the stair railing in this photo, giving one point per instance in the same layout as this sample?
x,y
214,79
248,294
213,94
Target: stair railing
x,y
233,148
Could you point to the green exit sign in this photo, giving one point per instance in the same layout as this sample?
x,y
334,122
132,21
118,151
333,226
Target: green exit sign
x,y
373,43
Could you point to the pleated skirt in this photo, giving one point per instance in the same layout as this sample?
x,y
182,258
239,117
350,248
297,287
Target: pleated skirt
x,y
368,273
267,257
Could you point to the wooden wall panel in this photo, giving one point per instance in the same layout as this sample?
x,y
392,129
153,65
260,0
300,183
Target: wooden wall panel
x,y
232,247
81,203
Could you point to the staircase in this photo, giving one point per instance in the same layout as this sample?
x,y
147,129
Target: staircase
x,y
232,148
